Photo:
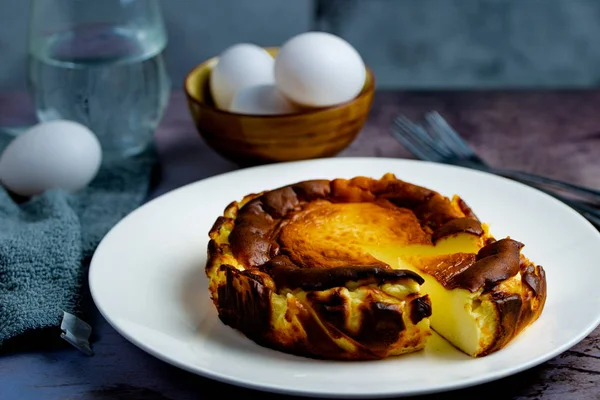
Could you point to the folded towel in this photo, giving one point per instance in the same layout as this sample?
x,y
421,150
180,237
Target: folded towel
x,y
45,241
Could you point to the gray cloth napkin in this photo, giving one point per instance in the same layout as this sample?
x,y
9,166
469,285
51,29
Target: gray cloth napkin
x,y
45,241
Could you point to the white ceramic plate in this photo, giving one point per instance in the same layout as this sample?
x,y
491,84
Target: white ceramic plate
x,y
147,279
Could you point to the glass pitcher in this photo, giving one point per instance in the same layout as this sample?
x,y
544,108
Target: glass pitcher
x,y
100,63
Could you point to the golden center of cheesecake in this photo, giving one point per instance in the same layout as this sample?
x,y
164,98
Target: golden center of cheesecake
x,y
326,234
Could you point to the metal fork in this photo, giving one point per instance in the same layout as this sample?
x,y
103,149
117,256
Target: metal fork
x,y
434,140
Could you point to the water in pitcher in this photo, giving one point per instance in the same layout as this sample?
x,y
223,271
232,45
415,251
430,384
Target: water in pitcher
x,y
111,79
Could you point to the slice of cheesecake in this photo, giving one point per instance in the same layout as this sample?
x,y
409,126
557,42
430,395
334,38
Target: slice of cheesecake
x,y
482,297
361,268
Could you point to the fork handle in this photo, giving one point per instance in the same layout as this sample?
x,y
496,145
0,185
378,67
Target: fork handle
x,y
527,177
590,213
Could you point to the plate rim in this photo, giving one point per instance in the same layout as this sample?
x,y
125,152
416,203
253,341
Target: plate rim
x,y
270,388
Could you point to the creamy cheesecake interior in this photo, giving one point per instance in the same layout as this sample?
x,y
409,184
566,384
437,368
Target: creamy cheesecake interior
x,y
461,317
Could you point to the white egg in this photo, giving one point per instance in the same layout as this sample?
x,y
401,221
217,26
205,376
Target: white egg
x,y
58,154
239,66
262,100
319,69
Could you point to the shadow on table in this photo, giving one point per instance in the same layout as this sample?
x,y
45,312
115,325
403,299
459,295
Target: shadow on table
x,y
198,387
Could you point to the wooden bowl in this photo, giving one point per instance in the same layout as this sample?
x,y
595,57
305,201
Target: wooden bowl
x,y
261,139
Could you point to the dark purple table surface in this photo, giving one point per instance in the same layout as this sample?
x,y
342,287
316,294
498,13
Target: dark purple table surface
x,y
551,133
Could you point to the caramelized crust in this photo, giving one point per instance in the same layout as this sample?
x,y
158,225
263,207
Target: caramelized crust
x,y
515,311
287,282
252,240
287,275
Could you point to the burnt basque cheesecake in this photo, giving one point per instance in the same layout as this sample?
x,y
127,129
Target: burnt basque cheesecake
x,y
364,268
